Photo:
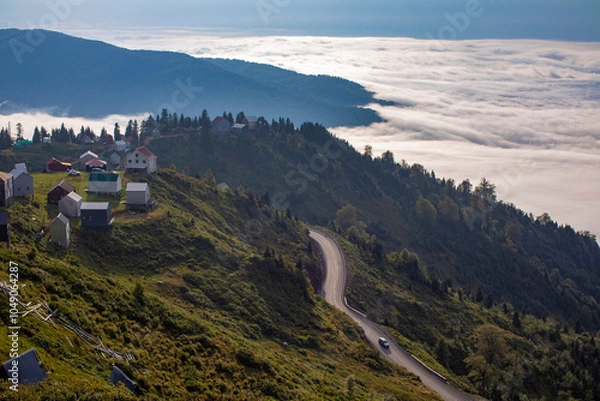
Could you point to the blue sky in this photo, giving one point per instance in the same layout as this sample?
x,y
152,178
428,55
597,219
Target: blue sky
x,y
577,20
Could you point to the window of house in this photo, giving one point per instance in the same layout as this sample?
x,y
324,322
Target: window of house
x,y
129,160
137,161
144,161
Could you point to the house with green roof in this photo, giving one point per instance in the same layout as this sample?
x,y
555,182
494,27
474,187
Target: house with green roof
x,y
105,183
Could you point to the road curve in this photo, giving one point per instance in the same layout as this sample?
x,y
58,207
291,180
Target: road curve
x,y
334,288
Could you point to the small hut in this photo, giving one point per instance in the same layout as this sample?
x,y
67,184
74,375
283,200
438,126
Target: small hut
x,y
70,205
59,191
60,230
24,369
96,214
137,194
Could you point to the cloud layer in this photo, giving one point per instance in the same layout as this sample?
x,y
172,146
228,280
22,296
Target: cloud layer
x,y
522,113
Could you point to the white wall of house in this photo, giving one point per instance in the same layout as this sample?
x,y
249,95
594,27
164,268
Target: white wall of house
x,y
70,205
105,187
22,184
138,196
137,160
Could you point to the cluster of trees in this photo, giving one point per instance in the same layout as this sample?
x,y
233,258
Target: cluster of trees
x,y
68,135
505,367
6,139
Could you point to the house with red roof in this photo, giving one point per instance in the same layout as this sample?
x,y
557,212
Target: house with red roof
x,y
140,161
107,139
86,157
220,126
54,166
95,164
86,140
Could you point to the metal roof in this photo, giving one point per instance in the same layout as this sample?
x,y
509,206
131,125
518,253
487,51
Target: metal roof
x,y
64,219
73,196
88,153
137,186
5,176
95,206
104,177
145,151
30,370
95,162
117,376
65,185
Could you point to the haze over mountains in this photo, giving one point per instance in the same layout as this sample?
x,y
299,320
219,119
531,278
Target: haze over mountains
x,y
70,76
520,112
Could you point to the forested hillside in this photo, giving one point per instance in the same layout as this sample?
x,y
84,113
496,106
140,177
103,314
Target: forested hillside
x,y
500,301
491,249
202,312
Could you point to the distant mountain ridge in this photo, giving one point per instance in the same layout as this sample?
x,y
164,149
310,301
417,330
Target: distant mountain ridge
x,y
71,76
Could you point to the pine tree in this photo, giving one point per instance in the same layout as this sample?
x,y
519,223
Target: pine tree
x,y
5,139
129,129
19,132
72,137
117,132
239,119
37,136
135,130
44,133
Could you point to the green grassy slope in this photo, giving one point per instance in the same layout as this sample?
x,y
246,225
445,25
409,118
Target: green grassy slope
x,y
209,294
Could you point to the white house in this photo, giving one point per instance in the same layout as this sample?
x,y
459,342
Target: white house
x,y
86,157
22,183
105,183
137,193
70,205
60,230
140,160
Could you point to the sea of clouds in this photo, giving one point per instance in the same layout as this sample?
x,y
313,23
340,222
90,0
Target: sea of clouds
x,y
522,113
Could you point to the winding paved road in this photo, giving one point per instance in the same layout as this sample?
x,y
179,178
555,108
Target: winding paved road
x,y
333,291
